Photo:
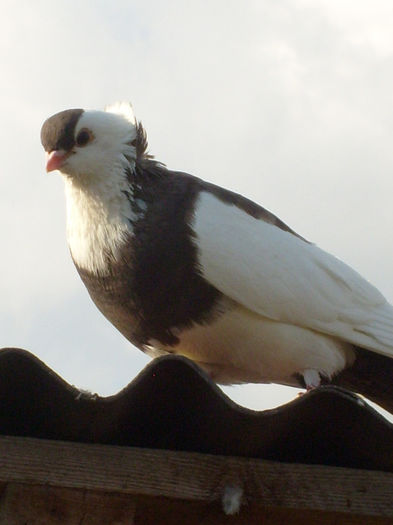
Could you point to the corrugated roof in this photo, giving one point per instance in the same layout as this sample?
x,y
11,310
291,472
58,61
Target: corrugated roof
x,y
173,405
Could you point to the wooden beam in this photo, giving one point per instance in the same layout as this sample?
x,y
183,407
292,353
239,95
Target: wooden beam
x,y
41,504
194,477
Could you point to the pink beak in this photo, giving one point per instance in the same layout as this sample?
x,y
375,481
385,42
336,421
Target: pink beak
x,y
55,159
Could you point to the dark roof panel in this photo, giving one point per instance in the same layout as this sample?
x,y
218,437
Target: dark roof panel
x,y
173,405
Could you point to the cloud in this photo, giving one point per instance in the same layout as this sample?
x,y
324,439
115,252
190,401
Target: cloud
x,y
288,102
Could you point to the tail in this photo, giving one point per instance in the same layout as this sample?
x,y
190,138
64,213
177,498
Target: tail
x,y
371,375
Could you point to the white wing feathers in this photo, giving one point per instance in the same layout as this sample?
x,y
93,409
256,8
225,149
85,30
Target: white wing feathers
x,y
281,277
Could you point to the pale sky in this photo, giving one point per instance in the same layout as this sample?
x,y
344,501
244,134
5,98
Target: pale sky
x,y
289,102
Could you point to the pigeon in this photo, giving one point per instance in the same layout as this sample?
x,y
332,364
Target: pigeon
x,y
182,266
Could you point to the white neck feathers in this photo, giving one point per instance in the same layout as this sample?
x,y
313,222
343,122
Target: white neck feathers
x,y
98,220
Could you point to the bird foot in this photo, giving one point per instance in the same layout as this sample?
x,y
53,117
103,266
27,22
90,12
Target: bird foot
x,y
311,378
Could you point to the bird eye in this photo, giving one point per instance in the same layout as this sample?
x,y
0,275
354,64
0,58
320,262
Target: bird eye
x,y
83,137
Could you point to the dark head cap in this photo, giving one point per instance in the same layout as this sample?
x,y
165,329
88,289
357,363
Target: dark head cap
x,y
57,132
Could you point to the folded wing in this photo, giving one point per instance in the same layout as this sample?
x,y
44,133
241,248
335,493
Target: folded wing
x,y
282,277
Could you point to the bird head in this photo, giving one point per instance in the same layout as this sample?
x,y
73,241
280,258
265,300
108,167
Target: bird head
x,y
81,143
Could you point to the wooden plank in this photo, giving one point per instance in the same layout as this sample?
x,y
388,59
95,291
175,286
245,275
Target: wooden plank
x,y
41,504
192,476
157,511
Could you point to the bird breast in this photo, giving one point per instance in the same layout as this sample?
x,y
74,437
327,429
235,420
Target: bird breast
x,y
98,225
